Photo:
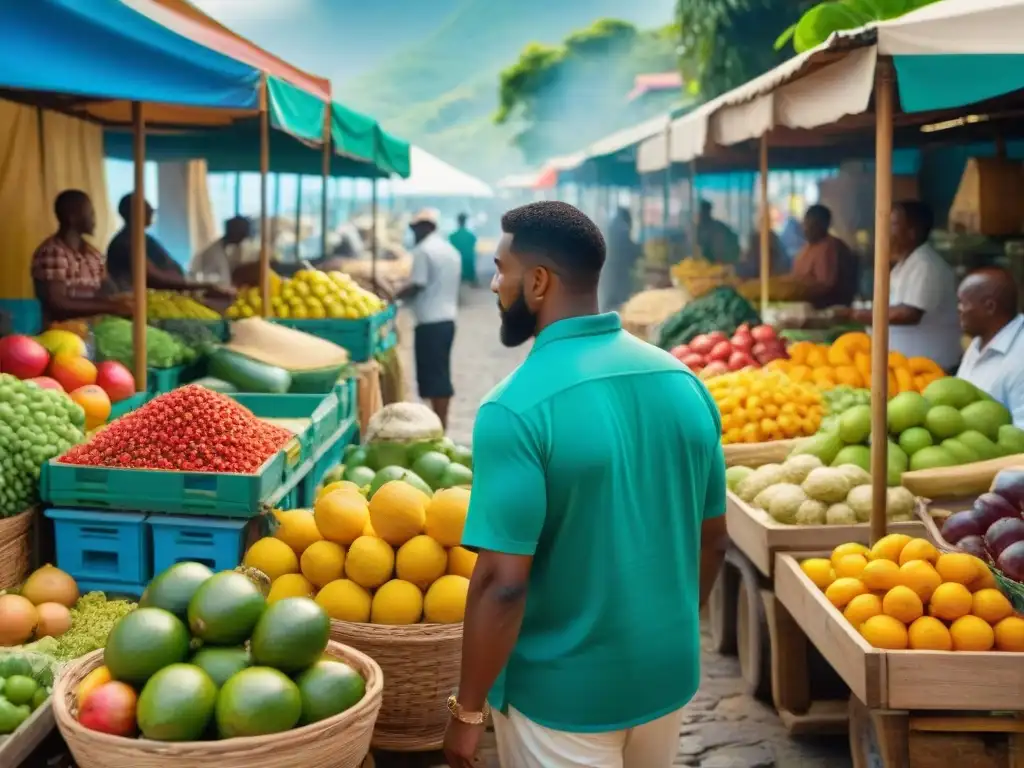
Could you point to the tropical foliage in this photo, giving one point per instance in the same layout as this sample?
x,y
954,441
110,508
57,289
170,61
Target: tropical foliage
x,y
818,23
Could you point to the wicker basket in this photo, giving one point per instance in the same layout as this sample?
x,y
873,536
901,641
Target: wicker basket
x,y
15,548
342,741
421,670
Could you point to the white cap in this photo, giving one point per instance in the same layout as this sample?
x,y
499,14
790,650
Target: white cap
x,y
426,216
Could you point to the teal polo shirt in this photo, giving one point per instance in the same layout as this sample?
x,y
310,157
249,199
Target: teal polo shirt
x,y
600,456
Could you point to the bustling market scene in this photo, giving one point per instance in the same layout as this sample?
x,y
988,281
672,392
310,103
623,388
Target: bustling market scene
x,y
626,385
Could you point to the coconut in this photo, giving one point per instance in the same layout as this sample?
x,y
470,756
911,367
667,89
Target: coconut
x,y
50,585
404,423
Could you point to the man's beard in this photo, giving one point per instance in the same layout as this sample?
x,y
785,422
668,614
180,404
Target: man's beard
x,y
518,323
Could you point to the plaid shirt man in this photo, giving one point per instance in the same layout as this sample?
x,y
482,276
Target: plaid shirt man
x,y
82,271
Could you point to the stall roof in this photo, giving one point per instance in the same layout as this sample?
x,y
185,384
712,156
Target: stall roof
x,y
518,181
430,176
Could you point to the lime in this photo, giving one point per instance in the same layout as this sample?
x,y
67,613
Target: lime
x,y
20,689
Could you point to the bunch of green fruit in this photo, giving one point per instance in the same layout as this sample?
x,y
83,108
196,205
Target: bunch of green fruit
x,y
430,465
26,681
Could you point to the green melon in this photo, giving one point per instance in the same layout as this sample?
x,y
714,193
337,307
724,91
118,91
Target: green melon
x,y
431,466
329,688
221,663
225,609
177,704
290,635
144,641
174,588
257,701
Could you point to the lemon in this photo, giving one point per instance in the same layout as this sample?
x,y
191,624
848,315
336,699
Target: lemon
x,y
421,561
290,585
850,565
344,600
918,549
959,567
862,608
990,605
398,512
819,570
950,601
323,562
397,602
842,591
337,485
881,575
445,602
848,549
461,562
920,576
885,632
1009,634
296,528
341,515
929,634
446,516
903,604
370,562
889,547
970,633
272,556
368,530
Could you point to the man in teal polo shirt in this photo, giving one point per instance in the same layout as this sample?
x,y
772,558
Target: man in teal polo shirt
x,y
598,494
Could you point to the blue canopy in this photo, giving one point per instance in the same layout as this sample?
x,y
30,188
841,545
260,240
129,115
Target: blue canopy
x,y
104,49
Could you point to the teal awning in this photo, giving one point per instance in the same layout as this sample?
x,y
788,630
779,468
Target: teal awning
x,y
295,111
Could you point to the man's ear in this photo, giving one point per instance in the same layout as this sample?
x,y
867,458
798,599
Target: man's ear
x,y
537,284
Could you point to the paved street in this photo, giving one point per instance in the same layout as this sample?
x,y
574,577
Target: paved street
x,y
723,728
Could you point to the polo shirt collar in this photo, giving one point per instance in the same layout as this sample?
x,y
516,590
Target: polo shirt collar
x,y
575,327
1002,342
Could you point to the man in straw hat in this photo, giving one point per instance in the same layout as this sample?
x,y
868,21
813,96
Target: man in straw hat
x,y
433,295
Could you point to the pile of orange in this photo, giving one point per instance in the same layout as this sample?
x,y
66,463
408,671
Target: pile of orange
x,y
759,406
903,593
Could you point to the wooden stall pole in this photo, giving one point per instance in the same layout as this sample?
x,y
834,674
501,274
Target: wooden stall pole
x,y
264,221
666,193
693,202
375,245
325,175
139,245
238,193
880,301
298,217
765,228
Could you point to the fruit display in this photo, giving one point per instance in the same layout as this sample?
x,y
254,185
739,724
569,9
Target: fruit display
x,y
26,681
902,593
847,362
171,305
840,399
310,294
721,310
190,429
114,341
391,559
713,354
993,529
36,425
951,423
803,491
759,405
698,275
206,656
430,465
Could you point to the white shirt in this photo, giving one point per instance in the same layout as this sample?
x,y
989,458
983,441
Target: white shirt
x,y
215,263
437,270
924,281
998,369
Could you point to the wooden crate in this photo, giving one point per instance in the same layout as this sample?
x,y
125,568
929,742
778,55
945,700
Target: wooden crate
x,y
17,747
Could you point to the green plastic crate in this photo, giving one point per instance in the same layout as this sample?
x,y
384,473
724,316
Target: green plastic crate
x,y
129,404
323,411
328,455
363,338
162,380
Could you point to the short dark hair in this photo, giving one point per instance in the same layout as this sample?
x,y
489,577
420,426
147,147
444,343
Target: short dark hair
x,y
462,218
65,203
919,215
125,206
821,213
561,234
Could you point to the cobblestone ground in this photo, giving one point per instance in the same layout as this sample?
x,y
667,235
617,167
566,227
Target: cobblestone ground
x,y
723,727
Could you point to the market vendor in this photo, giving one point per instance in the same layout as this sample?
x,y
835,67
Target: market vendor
x,y
923,319
716,241
616,284
68,272
994,361
162,271
826,268
217,262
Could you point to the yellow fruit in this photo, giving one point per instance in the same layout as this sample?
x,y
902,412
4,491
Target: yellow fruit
x,y
446,516
929,634
959,567
296,528
889,547
341,516
862,608
272,556
92,681
986,580
850,566
397,602
461,562
848,549
290,585
881,575
991,605
841,591
885,632
902,603
370,562
921,577
819,570
323,562
368,529
1010,634
918,549
398,512
337,485
344,600
950,601
445,602
970,633
421,561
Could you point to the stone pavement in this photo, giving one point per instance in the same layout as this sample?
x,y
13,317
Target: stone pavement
x,y
723,727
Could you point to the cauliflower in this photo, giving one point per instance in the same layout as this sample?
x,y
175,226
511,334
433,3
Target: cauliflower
x,y
796,468
811,512
859,500
840,514
899,502
856,474
758,480
764,498
785,501
736,475
827,484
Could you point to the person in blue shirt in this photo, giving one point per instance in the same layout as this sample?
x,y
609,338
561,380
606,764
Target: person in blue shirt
x,y
598,495
994,362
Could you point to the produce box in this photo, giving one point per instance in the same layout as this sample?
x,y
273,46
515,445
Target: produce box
x,y
363,338
17,746
160,380
129,404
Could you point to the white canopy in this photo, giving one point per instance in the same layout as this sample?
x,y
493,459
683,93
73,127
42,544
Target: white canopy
x,y
431,176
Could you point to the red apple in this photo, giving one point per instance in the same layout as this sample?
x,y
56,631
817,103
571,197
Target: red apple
x,y
23,357
110,708
693,361
701,344
45,382
116,380
717,336
715,368
739,360
721,351
763,333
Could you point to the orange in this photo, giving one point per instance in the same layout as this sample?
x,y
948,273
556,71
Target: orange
x,y
819,570
851,565
970,633
920,576
862,608
889,547
950,601
885,632
841,591
929,634
918,549
991,606
986,580
848,549
959,567
1010,634
902,603
95,402
881,575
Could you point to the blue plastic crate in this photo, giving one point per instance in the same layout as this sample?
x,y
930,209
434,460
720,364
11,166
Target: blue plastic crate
x,y
327,456
102,547
26,315
214,542
363,338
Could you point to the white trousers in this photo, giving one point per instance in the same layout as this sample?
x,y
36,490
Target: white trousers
x,y
523,743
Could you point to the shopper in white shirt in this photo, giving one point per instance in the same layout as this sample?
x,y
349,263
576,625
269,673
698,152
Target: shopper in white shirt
x,y
923,319
218,261
994,362
433,294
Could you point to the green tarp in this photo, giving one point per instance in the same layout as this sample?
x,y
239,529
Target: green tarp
x,y
295,111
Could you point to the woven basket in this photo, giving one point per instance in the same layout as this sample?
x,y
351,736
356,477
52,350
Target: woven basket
x,y
15,548
342,741
421,670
